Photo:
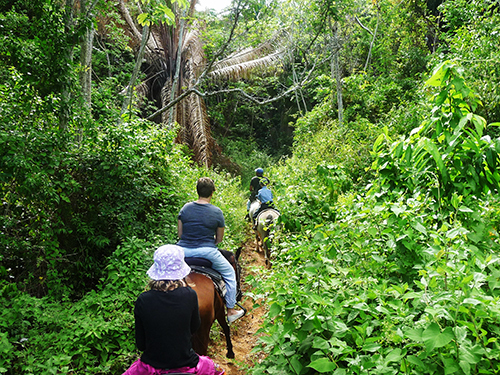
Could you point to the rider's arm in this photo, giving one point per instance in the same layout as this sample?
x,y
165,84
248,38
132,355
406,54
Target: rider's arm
x,y
195,317
140,335
219,235
179,228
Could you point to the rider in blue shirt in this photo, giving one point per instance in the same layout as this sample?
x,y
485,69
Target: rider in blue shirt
x,y
265,196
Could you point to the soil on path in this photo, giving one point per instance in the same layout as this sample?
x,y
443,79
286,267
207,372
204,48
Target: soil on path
x,y
243,331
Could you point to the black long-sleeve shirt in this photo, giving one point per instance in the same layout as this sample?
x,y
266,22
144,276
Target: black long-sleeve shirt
x,y
164,322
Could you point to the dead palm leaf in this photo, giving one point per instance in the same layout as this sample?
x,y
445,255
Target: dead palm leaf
x,y
162,54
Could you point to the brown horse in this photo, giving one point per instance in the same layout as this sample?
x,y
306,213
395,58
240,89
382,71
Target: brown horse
x,y
212,306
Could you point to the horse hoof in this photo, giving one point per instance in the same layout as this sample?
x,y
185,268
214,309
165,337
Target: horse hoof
x,y
230,354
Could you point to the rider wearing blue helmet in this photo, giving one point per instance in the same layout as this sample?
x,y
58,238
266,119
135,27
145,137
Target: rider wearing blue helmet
x,y
255,186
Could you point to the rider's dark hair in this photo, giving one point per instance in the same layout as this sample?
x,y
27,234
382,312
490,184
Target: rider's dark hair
x,y
205,187
166,285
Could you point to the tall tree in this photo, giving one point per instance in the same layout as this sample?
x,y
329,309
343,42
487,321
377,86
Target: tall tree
x,y
86,46
176,67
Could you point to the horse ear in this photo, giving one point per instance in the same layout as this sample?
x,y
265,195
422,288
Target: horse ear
x,y
238,252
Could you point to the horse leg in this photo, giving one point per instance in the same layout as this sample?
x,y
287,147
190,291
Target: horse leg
x,y
233,260
201,337
220,315
257,243
267,251
204,288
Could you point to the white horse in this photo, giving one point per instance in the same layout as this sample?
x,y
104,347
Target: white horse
x,y
262,225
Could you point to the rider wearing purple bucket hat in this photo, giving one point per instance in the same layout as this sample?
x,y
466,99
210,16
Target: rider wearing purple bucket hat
x,y
165,318
169,264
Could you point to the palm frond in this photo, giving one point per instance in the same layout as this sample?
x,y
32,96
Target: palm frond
x,y
192,50
142,90
248,54
200,129
246,69
165,99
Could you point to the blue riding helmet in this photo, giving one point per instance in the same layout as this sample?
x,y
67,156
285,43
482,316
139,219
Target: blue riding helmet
x,y
259,172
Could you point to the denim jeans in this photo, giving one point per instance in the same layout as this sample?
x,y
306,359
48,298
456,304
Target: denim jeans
x,y
221,265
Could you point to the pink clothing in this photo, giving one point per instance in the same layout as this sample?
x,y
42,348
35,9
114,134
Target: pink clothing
x,y
205,367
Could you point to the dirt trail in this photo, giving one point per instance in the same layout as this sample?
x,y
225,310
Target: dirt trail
x,y
244,329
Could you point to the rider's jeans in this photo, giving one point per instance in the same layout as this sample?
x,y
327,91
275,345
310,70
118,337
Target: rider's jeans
x,y
221,265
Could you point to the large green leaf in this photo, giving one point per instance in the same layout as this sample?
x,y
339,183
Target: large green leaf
x,y
433,150
322,365
434,338
394,356
274,310
471,355
439,74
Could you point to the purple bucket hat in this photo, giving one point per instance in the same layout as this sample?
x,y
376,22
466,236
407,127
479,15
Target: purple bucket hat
x,y
169,264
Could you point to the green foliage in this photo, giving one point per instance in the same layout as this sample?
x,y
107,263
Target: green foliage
x,y
160,13
328,160
401,278
374,98
70,204
37,44
346,307
95,333
449,153
262,127
472,29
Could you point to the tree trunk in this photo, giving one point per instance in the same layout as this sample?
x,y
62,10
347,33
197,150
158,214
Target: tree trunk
x,y
64,112
335,71
86,45
175,82
127,101
371,43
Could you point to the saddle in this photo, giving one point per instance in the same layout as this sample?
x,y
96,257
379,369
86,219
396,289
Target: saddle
x,y
204,267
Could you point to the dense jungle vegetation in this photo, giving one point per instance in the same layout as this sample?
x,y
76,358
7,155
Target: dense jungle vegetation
x,y
376,121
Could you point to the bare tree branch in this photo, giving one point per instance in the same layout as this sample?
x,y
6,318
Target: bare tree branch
x,y
253,99
362,26
127,102
371,43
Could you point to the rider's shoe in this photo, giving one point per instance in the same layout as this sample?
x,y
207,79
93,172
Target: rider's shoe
x,y
232,318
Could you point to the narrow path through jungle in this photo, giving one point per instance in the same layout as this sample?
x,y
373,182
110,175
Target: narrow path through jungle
x,y
243,330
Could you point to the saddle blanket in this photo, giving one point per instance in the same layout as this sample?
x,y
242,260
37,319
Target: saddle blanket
x,y
216,277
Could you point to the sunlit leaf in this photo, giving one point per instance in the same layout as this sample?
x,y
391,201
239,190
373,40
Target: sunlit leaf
x,y
434,338
322,365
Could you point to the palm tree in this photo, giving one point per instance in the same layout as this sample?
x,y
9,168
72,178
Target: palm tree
x,y
175,67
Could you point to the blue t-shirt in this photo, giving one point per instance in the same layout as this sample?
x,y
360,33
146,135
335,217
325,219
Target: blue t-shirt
x,y
199,224
265,195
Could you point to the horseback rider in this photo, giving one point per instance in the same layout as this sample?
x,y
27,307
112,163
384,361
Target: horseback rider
x,y
200,228
166,316
265,196
254,187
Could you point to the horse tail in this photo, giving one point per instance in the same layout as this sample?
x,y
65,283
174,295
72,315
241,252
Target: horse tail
x,y
238,253
269,220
